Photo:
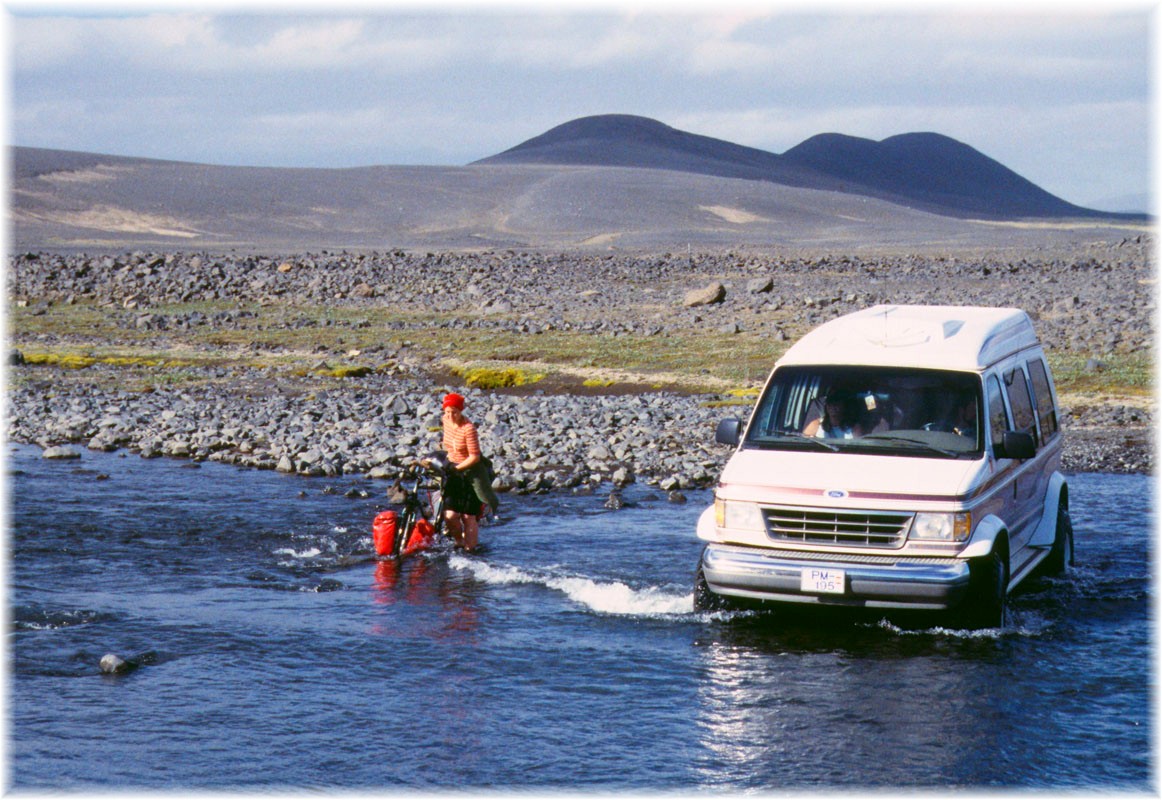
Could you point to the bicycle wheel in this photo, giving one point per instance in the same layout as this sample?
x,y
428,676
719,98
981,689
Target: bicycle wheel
x,y
438,512
403,530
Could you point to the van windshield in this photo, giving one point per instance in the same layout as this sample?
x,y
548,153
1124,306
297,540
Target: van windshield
x,y
894,411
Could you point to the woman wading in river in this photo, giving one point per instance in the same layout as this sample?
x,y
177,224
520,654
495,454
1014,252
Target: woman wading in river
x,y
469,484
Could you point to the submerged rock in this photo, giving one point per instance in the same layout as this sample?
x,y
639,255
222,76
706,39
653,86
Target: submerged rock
x,y
113,664
62,452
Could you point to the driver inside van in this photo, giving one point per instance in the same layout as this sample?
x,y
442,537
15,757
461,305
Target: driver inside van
x,y
964,423
842,418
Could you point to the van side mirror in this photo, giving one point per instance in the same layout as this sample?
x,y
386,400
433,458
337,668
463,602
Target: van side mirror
x,y
1016,445
728,431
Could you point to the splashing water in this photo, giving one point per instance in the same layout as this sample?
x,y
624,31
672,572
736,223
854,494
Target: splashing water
x,y
611,597
310,552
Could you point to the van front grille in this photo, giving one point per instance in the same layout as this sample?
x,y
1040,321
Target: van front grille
x,y
829,526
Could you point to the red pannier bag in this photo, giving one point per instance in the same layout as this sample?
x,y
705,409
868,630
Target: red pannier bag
x,y
383,532
421,537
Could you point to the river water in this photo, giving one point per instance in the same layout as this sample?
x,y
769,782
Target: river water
x,y
275,652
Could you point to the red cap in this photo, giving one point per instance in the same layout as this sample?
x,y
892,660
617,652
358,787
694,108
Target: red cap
x,y
454,400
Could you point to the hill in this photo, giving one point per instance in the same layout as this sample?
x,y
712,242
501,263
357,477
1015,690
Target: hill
x,y
601,182
623,140
922,170
932,171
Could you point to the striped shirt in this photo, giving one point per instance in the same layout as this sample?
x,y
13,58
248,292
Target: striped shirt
x,y
460,441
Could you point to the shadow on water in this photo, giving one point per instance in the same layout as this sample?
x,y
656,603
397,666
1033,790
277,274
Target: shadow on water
x,y
1045,608
870,633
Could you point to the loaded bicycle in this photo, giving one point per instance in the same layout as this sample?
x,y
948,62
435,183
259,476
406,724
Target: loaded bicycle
x,y
420,522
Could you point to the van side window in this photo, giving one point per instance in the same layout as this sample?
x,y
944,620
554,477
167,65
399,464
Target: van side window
x,y
998,418
1021,402
1044,397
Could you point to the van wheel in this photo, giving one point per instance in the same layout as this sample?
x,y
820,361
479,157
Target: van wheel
x,y
1061,554
987,600
704,599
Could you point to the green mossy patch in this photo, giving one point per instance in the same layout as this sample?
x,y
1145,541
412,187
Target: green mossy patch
x,y
490,378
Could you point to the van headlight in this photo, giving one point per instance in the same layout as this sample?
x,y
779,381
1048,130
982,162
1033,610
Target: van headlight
x,y
941,527
738,516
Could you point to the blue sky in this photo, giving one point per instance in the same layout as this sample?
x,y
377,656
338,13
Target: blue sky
x,y
1059,93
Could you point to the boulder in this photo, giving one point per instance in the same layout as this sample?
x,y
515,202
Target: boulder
x,y
113,664
62,452
714,293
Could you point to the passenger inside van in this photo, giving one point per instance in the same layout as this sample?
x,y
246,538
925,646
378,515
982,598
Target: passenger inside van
x,y
845,416
951,411
964,420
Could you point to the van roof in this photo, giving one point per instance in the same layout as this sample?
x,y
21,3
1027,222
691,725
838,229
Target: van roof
x,y
943,337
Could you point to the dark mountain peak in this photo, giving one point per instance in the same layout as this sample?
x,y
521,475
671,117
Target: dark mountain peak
x,y
625,140
925,170
930,171
832,147
617,140
592,140
924,138
835,148
607,126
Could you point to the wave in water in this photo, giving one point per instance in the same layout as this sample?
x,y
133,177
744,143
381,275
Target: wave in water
x,y
35,618
611,597
1030,627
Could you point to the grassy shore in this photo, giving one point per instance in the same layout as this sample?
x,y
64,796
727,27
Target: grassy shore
x,y
336,343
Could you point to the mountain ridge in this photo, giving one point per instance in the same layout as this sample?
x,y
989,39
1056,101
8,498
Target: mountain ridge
x,y
927,171
613,182
642,142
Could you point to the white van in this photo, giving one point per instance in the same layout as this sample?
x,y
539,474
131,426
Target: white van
x,y
901,457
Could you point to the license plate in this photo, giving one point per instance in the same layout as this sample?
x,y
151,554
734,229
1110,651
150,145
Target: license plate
x,y
822,581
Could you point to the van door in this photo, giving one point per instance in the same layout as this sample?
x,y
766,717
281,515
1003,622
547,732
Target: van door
x,y
1002,499
1029,488
1048,436
1043,398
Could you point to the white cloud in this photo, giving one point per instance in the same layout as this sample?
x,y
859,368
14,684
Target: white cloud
x,y
301,45
1101,144
39,43
852,52
351,45
1037,91
200,44
557,43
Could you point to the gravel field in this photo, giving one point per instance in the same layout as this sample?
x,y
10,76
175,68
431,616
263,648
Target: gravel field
x,y
1094,301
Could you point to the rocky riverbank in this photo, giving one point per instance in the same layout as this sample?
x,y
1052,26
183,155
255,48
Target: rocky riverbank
x,y
380,425
376,425
1095,298
1092,303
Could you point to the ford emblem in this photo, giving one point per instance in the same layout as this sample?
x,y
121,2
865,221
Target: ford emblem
x,y
836,493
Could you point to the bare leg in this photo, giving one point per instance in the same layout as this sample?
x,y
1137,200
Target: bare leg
x,y
453,528
471,533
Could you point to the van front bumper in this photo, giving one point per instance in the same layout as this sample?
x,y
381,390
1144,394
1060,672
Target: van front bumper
x,y
879,581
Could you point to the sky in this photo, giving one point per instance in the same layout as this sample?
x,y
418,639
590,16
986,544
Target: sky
x,y
1060,93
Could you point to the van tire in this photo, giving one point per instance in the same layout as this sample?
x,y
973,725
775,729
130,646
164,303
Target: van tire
x,y
1061,554
704,599
987,601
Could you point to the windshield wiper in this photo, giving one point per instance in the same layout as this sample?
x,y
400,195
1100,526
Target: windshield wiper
x,y
889,437
794,437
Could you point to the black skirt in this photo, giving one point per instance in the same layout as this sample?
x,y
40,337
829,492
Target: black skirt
x,y
459,496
